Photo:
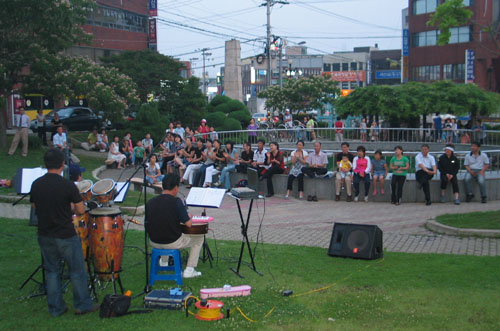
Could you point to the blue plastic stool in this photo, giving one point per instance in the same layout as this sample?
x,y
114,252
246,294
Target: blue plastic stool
x,y
154,275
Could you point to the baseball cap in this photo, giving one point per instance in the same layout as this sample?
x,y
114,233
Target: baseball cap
x,y
74,171
203,121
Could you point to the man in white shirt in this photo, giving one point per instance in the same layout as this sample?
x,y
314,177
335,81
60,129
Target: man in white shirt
x,y
22,123
59,140
476,163
426,165
259,157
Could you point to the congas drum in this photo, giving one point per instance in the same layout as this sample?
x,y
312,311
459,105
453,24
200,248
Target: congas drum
x,y
103,191
106,241
201,228
80,222
85,188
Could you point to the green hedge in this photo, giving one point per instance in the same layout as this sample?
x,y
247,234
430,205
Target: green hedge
x,y
231,124
243,116
216,119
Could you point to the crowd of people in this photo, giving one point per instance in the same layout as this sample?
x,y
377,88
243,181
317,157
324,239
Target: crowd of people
x,y
198,159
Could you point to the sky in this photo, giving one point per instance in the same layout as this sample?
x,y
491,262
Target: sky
x,y
186,26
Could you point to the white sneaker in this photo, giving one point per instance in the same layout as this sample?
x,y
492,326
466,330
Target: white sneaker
x,y
189,272
366,199
164,261
356,199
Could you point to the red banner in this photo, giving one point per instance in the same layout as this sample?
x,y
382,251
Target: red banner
x,y
152,31
347,76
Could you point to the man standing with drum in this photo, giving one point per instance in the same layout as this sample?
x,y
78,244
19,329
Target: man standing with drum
x,y
164,215
53,198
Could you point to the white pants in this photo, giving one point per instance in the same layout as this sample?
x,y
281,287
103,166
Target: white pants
x,y
190,170
193,242
209,173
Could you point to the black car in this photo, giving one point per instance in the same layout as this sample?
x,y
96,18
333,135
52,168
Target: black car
x,y
73,118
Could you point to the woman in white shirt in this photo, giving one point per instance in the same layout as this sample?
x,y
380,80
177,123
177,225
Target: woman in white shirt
x,y
102,141
299,157
115,154
153,173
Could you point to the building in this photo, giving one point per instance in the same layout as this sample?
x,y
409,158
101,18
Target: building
x,y
386,67
429,62
116,26
350,69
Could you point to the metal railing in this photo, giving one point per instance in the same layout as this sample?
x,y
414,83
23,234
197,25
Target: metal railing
x,y
395,135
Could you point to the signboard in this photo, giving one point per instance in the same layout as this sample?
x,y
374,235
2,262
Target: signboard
x,y
153,7
388,74
406,69
152,31
406,42
470,56
348,76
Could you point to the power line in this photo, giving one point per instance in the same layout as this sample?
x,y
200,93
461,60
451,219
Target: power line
x,y
346,18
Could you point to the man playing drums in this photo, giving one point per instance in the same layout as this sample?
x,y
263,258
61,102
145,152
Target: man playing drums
x,y
53,198
164,215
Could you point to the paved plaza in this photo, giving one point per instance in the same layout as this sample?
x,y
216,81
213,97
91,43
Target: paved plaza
x,y
298,222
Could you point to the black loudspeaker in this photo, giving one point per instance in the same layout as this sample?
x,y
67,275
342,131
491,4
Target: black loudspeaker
x,y
358,241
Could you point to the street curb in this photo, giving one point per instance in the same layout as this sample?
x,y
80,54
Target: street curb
x,y
96,172
450,230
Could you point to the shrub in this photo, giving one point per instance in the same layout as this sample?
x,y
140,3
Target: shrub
x,y
236,105
216,119
243,116
231,124
223,108
217,100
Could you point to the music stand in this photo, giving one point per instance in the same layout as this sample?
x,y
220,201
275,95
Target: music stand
x,y
205,198
244,234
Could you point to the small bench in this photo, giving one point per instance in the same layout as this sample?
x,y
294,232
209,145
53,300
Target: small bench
x,y
138,185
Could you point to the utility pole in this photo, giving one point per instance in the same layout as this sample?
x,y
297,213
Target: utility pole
x,y
204,54
269,4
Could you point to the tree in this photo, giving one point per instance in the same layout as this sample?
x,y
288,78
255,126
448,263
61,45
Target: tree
x,y
303,93
449,14
150,70
33,29
192,103
62,77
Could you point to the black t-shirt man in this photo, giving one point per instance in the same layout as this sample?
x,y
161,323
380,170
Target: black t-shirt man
x,y
52,195
164,215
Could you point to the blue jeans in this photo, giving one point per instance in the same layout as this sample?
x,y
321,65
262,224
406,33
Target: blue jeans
x,y
70,251
357,179
480,180
224,176
151,181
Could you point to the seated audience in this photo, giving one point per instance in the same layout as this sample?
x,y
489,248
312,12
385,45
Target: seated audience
x,y
231,158
346,167
379,171
138,154
476,163
274,159
216,167
246,158
259,157
102,141
115,154
195,162
362,168
148,144
91,143
316,166
426,169
299,157
338,176
153,173
448,166
399,165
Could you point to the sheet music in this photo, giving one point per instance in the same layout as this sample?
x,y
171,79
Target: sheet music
x,y
205,197
121,197
28,176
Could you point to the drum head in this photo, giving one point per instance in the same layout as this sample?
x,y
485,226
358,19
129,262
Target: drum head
x,y
105,211
103,186
84,185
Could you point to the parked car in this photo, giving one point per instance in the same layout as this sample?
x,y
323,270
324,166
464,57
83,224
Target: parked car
x,y
73,118
260,117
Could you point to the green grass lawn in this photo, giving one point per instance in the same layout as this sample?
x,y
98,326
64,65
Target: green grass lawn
x,y
476,220
403,291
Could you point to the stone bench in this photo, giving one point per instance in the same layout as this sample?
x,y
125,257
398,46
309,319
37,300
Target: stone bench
x,y
324,189
138,185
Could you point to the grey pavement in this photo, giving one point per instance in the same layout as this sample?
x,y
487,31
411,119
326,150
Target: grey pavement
x,y
298,222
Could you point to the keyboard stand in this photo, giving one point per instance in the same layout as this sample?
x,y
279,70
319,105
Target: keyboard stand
x,y
244,239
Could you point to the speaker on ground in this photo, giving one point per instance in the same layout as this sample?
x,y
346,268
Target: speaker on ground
x,y
358,241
